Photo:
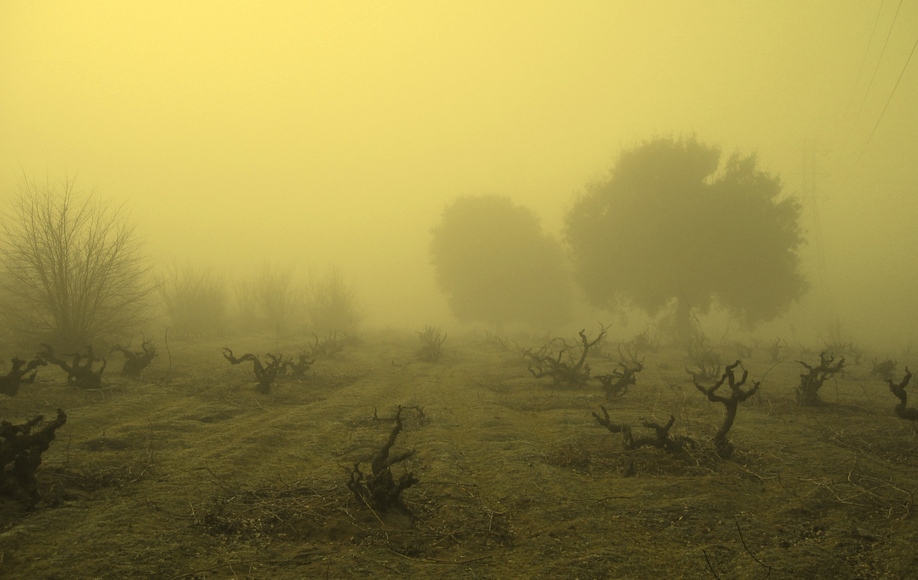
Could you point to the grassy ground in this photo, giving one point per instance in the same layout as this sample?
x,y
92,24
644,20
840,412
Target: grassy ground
x,y
191,473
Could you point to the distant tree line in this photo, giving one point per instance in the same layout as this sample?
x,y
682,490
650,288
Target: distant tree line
x,y
671,228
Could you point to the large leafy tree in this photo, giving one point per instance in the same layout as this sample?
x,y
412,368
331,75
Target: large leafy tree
x,y
670,227
496,265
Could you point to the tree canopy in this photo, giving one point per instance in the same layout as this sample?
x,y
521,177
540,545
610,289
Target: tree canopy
x,y
497,266
669,225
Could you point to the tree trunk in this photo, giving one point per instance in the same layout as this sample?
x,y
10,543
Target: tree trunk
x,y
683,323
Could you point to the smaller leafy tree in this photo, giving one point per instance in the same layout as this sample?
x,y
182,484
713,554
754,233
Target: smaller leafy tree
x,y
497,266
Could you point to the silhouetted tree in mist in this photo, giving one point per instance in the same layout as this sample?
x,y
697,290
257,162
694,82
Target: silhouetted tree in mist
x,y
670,228
196,300
72,269
497,266
332,304
269,300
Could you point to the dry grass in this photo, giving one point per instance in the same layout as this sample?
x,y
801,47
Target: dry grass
x,y
193,474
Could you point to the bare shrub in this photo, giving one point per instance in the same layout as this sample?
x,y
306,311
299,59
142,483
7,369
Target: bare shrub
x,y
812,380
331,304
266,372
269,300
135,361
379,489
731,402
703,355
72,269
329,347
565,364
774,349
276,298
243,305
79,370
616,383
18,376
195,300
21,447
902,409
883,369
661,439
431,344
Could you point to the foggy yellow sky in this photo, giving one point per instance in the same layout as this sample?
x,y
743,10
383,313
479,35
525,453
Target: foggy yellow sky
x,y
335,132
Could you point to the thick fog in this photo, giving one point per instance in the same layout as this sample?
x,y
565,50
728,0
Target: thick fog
x,y
335,133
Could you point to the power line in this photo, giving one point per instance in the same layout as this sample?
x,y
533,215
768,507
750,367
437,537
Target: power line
x,y
810,172
883,112
860,72
875,69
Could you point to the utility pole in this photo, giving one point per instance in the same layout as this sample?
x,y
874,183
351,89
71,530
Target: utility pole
x,y
810,178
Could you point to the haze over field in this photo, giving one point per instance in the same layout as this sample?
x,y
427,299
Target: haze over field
x,y
336,133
